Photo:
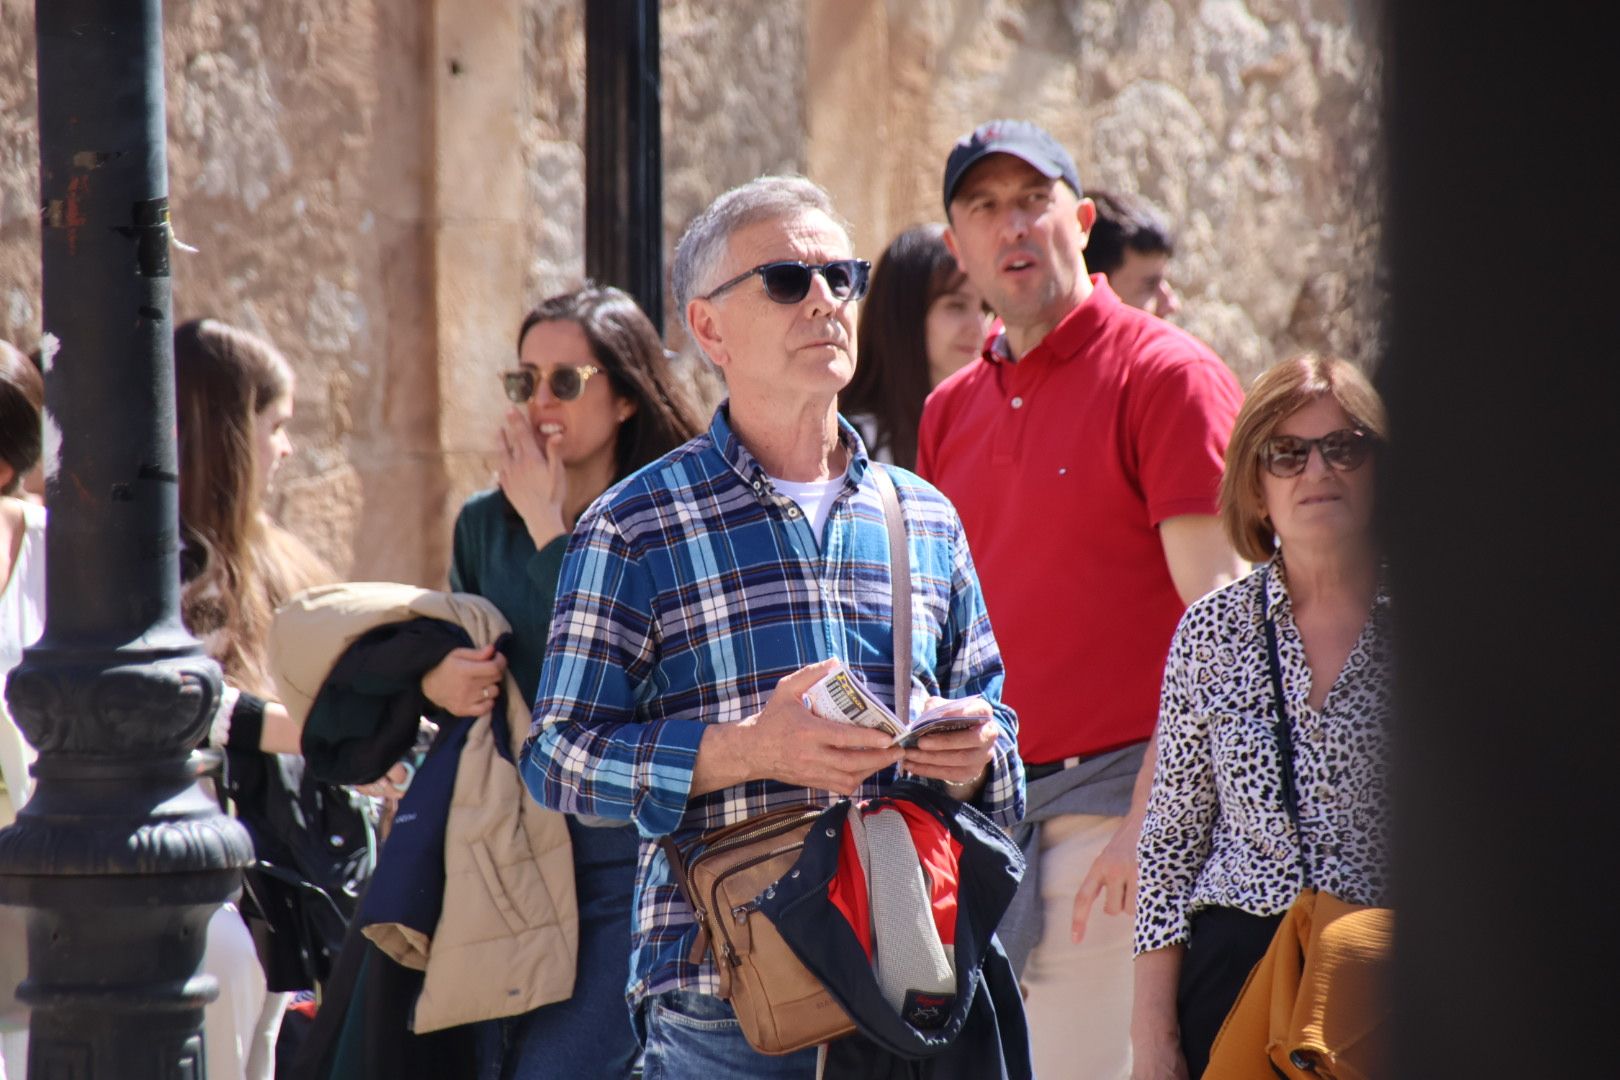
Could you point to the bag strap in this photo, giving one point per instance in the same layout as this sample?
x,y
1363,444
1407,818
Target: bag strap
x,y
1281,729
677,868
900,587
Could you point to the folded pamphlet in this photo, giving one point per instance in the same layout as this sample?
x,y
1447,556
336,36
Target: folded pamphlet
x,y
840,695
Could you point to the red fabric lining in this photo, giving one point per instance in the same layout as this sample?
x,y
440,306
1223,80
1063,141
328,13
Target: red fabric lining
x,y
938,851
847,891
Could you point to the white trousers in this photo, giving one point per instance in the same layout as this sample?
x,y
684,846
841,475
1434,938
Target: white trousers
x,y
239,1026
1078,997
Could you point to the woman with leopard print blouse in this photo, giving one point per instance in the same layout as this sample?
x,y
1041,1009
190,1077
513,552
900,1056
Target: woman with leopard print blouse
x,y
1219,858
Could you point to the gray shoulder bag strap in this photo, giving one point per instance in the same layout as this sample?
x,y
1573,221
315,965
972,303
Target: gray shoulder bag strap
x,y
900,586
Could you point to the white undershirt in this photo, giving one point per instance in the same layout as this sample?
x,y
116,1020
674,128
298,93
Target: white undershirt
x,y
815,498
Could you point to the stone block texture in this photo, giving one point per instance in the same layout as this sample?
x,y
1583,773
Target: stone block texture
x,y
307,169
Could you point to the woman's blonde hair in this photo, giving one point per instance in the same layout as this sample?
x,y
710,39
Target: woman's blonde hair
x,y
1274,397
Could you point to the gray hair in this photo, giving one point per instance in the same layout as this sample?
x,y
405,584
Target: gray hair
x,y
702,248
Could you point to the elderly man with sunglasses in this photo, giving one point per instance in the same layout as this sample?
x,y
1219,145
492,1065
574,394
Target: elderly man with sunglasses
x,y
703,596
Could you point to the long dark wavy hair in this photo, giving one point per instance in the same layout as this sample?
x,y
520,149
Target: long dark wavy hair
x,y
624,343
891,378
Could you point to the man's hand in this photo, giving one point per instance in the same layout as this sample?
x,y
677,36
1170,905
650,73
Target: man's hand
x,y
1112,875
532,477
787,742
466,681
959,758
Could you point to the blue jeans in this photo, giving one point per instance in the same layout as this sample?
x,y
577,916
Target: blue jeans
x,y
588,1036
697,1037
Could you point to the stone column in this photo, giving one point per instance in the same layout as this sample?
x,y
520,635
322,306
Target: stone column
x,y
120,856
847,75
478,229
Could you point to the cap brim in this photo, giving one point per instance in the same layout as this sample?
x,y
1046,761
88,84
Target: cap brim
x,y
1047,169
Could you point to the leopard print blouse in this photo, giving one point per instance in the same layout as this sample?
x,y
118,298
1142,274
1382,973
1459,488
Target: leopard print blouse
x,y
1216,831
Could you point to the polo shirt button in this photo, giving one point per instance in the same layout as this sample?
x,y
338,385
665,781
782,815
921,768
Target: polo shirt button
x,y
1017,403
793,511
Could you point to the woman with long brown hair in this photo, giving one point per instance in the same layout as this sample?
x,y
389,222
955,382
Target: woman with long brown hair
x,y
921,322
592,401
234,393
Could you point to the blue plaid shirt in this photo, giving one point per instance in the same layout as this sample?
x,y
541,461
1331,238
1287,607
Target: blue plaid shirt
x,y
687,592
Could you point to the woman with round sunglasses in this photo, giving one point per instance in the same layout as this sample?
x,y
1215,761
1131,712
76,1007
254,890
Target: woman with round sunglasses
x,y
923,322
1230,837
592,400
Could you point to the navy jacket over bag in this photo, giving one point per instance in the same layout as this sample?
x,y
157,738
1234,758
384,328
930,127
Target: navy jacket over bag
x,y
985,1035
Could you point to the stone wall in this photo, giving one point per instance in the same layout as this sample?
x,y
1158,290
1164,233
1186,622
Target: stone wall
x,y
1253,125
320,161
296,154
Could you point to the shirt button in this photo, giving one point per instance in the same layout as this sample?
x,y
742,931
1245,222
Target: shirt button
x,y
758,487
793,511
1017,403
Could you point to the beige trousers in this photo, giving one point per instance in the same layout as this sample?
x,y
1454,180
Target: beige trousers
x,y
1078,997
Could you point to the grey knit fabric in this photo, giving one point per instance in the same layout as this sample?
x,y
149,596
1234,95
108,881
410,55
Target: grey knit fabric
x,y
909,954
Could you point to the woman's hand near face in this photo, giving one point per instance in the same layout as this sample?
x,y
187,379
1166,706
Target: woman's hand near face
x,y
532,477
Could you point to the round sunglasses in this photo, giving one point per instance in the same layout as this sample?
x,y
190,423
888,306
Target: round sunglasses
x,y
566,383
1285,456
788,282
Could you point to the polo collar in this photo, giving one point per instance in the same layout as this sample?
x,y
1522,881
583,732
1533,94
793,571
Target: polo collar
x,y
1071,334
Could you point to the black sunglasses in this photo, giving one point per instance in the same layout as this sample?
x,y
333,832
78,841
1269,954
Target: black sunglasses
x,y
788,282
1286,456
566,383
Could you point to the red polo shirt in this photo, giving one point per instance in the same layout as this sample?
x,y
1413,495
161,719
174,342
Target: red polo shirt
x,y
1062,465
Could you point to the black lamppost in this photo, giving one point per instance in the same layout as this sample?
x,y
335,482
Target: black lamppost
x,y
624,189
120,856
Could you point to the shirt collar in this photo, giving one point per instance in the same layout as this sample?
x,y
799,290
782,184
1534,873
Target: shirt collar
x,y
752,473
1277,600
1072,332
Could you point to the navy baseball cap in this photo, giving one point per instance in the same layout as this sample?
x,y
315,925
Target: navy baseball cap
x,y
1021,139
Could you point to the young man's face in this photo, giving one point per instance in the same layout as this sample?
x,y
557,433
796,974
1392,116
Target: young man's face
x,y
1018,235
1140,282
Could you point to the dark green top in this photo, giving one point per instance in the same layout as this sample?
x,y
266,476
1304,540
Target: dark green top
x,y
494,557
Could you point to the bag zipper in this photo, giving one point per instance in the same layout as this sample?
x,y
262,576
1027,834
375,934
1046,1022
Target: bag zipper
x,y
728,844
749,837
741,912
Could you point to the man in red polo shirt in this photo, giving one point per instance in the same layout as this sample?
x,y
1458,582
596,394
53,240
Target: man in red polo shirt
x,y
1083,451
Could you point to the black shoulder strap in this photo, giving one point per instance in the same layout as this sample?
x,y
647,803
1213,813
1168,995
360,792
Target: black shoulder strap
x,y
900,585
1281,729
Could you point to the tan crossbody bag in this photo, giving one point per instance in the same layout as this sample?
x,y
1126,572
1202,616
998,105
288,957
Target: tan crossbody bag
x,y
724,873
